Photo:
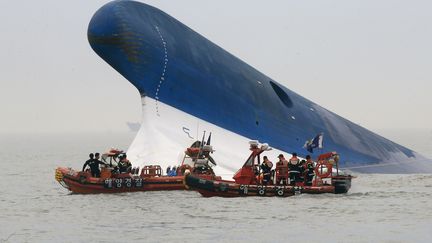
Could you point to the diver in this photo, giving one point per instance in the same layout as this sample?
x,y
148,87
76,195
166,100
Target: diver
x,y
97,159
98,162
124,164
266,167
94,163
294,169
91,157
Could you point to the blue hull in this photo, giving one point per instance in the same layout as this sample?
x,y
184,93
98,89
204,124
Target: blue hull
x,y
169,62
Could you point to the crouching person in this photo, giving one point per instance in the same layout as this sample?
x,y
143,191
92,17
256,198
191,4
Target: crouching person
x,y
124,164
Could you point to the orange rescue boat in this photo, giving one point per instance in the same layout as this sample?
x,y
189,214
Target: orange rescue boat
x,y
197,161
248,179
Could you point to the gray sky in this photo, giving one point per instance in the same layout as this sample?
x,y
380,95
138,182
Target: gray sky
x,y
368,61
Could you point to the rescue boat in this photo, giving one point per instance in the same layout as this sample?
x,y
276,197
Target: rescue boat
x,y
248,179
197,161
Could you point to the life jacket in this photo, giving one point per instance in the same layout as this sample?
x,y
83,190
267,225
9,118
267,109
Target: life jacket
x,y
282,169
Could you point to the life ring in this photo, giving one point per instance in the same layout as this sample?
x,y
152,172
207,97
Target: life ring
x,y
319,169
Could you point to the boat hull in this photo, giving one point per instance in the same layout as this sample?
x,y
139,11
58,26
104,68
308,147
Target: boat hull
x,y
211,188
82,182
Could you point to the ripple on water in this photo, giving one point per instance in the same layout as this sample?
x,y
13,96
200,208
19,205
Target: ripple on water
x,y
386,208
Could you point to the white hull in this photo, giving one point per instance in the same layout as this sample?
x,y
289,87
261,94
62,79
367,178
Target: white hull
x,y
166,132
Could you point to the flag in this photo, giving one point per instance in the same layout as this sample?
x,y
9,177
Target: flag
x,y
316,142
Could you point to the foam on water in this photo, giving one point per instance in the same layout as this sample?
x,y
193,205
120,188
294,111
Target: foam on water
x,y
35,208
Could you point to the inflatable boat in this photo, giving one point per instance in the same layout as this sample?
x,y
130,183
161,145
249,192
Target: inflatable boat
x,y
284,181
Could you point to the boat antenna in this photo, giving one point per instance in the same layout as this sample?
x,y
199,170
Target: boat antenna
x,y
202,140
208,139
201,146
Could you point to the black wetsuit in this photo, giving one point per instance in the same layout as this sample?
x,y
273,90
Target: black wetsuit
x,y
266,170
87,163
94,166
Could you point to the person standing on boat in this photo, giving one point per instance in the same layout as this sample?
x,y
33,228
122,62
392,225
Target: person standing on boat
x,y
97,159
309,170
266,167
97,162
294,168
282,160
281,170
91,157
94,163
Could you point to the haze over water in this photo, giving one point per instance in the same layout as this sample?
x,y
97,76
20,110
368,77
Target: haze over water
x,y
35,208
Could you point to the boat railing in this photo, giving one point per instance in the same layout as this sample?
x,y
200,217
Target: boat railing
x,y
151,170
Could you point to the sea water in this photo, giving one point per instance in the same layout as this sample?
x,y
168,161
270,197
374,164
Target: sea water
x,y
35,208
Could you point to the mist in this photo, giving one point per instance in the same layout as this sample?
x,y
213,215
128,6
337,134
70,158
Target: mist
x,y
368,61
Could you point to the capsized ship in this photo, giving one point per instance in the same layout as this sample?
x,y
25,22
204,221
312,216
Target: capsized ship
x,y
189,84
